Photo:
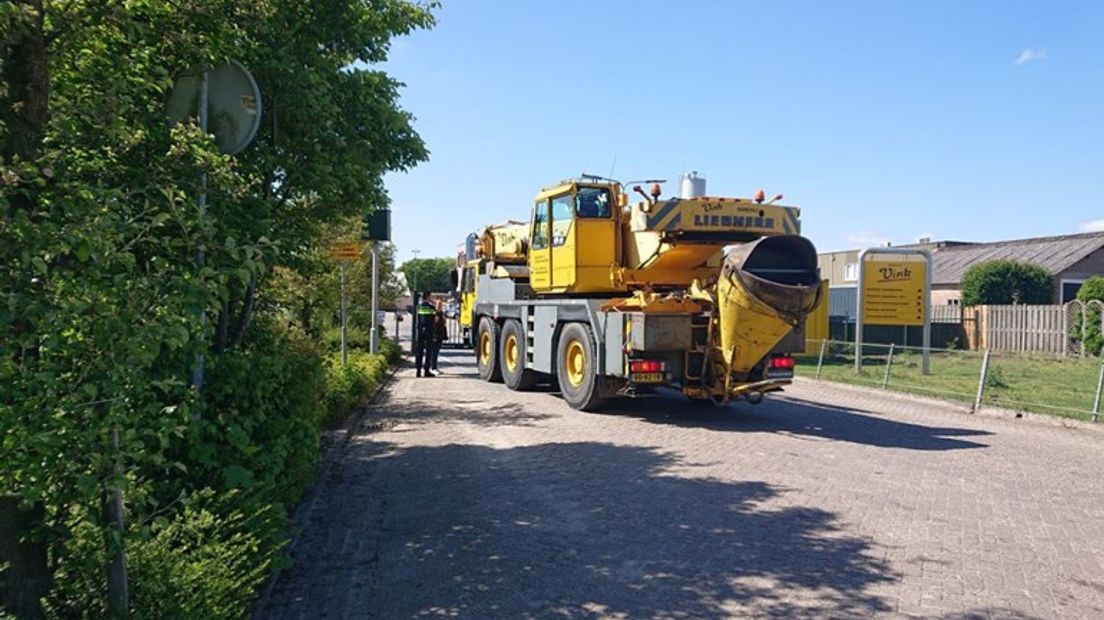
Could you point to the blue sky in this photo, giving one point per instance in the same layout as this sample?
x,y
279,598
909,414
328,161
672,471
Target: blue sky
x,y
884,121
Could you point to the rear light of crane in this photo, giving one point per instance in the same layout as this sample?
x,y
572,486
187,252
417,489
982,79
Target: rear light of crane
x,y
782,362
646,366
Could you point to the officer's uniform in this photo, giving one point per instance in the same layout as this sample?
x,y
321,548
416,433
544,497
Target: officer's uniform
x,y
440,334
423,337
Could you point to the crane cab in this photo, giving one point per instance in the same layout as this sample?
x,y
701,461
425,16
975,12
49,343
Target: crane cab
x,y
575,238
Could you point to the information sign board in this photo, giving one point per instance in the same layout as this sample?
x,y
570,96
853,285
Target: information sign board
x,y
894,292
345,252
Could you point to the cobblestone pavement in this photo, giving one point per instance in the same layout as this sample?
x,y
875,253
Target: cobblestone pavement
x,y
455,498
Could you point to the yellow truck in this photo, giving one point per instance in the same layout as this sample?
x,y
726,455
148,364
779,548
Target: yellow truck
x,y
607,299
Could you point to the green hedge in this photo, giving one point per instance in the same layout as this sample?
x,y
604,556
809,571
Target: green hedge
x,y
210,560
347,386
242,467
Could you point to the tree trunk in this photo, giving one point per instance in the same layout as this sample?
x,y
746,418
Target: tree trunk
x,y
118,596
246,312
24,110
28,576
26,74
222,339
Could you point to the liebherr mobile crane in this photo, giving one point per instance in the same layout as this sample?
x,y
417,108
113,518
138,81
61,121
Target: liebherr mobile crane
x,y
610,299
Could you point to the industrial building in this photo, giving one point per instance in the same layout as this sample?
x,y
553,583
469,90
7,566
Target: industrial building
x,y
1070,259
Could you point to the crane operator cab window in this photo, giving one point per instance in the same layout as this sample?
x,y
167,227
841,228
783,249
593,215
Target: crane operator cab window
x,y
540,225
593,202
562,209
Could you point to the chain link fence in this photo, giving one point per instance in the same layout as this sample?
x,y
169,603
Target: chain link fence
x,y
1052,384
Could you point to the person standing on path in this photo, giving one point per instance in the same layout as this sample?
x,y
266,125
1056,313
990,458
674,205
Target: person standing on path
x,y
423,336
440,333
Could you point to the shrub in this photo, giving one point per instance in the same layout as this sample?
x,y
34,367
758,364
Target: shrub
x,y
1006,282
209,560
348,385
995,378
203,559
1092,289
358,339
263,409
391,351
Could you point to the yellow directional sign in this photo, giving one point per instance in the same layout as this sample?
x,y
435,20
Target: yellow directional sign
x,y
893,292
345,252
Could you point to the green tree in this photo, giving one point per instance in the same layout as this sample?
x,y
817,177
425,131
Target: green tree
x,y
1091,290
429,274
309,296
100,323
1006,282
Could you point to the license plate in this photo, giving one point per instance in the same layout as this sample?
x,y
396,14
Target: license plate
x,y
779,373
647,377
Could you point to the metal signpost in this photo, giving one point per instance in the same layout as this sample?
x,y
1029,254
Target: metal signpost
x,y
374,340
344,254
226,102
894,291
378,228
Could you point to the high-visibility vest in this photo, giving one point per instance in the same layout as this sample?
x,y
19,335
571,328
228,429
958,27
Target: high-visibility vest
x,y
425,317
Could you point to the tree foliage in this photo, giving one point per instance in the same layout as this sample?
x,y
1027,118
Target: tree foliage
x,y
1006,282
308,296
1091,290
103,307
429,274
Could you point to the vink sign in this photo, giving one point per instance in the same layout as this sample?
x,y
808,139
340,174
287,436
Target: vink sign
x,y
894,292
894,289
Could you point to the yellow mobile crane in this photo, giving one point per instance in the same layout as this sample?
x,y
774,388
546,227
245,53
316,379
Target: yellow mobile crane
x,y
606,298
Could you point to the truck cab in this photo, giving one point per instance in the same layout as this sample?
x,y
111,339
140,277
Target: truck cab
x,y
466,294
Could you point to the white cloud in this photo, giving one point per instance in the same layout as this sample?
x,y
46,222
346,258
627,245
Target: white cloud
x,y
1092,226
865,239
1030,54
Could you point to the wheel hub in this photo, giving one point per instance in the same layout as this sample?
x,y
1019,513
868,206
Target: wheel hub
x,y
575,363
485,348
510,353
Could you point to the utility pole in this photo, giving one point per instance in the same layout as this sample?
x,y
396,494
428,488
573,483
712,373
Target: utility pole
x,y
414,283
414,299
344,354
201,205
374,340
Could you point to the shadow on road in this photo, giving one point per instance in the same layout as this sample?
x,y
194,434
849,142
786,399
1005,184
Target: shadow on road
x,y
465,411
777,414
799,417
988,613
580,530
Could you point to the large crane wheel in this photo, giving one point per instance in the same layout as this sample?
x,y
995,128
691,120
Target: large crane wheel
x,y
486,351
512,354
577,368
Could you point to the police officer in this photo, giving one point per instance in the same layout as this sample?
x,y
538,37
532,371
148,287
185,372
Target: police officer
x,y
440,334
423,335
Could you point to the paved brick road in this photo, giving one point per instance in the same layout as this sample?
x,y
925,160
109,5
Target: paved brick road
x,y
459,499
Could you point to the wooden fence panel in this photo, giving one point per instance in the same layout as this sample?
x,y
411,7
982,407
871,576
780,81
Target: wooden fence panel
x,y
1020,328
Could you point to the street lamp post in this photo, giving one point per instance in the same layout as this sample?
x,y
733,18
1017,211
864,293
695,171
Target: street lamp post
x,y
414,282
414,297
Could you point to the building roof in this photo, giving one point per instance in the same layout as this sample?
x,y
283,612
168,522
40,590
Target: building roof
x,y
1055,254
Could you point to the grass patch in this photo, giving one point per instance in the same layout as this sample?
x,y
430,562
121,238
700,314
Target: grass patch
x,y
1059,386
